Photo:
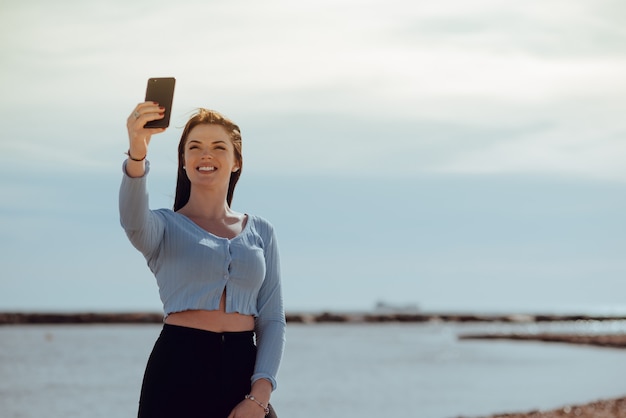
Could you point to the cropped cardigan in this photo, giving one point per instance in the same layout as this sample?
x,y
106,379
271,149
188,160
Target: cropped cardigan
x,y
193,268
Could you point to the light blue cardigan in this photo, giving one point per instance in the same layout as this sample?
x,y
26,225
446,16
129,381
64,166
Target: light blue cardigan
x,y
193,268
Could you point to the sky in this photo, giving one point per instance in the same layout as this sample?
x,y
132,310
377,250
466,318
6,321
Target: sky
x,y
450,155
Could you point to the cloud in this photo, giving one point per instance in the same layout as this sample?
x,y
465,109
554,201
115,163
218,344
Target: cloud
x,y
561,28
450,85
546,153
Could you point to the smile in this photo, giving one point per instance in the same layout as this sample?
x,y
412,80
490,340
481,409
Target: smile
x,y
203,168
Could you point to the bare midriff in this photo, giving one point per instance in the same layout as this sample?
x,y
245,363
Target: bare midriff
x,y
215,321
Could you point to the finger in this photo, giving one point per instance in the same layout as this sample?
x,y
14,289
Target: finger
x,y
147,112
137,126
139,120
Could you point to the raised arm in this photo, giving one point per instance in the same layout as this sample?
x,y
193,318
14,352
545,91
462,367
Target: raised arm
x,y
139,137
142,227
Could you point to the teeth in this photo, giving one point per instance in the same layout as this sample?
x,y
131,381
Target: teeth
x,y
206,168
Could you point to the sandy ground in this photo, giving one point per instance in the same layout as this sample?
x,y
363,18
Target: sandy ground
x,y
610,408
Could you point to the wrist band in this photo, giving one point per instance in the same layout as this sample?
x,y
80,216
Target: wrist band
x,y
253,399
135,159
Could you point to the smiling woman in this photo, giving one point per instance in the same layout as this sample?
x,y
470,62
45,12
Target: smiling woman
x,y
218,275
204,130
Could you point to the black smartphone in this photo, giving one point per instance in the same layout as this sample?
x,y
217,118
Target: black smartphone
x,y
161,90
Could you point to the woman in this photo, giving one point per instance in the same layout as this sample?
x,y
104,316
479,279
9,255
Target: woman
x,y
218,275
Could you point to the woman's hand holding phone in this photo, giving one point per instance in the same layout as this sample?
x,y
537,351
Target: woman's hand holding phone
x,y
139,136
149,118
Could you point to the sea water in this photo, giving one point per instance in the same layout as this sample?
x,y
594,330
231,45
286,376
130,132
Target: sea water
x,y
330,370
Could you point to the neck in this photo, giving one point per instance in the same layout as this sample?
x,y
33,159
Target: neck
x,y
206,205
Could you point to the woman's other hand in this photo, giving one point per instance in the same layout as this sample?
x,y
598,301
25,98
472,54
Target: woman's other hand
x,y
247,409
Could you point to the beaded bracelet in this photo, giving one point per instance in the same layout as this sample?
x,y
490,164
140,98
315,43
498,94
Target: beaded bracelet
x,y
135,159
253,399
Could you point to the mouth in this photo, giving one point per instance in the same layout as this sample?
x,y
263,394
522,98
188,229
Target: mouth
x,y
206,169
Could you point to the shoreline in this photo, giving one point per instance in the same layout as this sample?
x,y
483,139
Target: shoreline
x,y
23,318
598,340
605,408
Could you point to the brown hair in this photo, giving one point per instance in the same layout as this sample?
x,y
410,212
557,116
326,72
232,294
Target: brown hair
x,y
208,117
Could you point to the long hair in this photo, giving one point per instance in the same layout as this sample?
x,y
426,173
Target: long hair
x,y
209,117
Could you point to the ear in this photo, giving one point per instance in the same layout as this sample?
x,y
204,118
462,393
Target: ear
x,y
235,169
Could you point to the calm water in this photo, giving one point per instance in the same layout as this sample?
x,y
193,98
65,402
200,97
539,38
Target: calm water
x,y
408,370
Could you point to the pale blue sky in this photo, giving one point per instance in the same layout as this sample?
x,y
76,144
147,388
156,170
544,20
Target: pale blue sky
x,y
456,155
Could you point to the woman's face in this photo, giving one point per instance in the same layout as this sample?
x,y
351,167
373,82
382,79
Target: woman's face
x,y
209,156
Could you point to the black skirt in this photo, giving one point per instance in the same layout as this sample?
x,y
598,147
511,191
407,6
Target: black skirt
x,y
196,373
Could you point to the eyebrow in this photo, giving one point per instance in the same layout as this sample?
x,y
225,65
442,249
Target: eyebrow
x,y
219,141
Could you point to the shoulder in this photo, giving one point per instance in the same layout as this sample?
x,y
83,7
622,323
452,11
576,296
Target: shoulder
x,y
166,213
261,225
259,221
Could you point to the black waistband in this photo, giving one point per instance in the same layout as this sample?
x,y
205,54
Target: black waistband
x,y
179,331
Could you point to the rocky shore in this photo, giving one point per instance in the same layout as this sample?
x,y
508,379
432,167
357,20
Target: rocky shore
x,y
602,340
12,318
43,318
611,408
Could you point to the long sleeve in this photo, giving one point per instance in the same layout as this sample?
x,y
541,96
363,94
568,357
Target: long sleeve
x,y
270,322
143,227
